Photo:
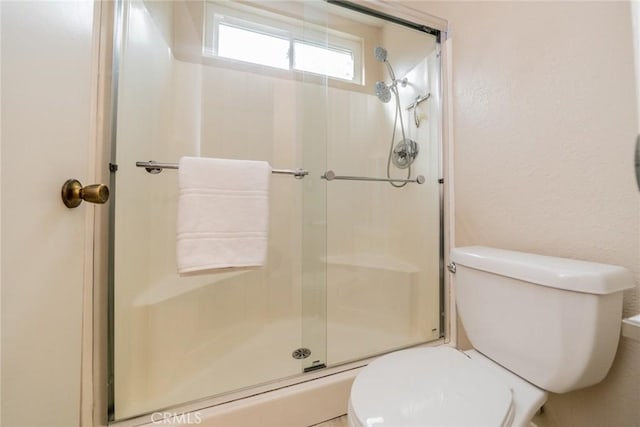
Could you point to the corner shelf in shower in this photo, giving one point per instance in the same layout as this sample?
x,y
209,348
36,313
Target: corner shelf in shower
x,y
174,285
372,261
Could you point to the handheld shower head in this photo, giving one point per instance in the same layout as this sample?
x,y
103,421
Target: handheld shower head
x,y
380,53
383,92
405,152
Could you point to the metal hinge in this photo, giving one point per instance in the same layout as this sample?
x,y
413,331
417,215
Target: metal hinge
x,y
452,267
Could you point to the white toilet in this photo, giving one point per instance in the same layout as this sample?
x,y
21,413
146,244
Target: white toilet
x,y
537,324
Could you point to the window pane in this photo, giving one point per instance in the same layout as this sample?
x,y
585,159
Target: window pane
x,y
250,46
322,60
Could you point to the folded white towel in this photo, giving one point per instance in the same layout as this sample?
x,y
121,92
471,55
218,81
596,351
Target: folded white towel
x,y
223,213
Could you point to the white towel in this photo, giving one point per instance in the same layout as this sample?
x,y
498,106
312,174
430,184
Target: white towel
x,y
223,213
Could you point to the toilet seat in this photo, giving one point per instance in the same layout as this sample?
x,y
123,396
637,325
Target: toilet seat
x,y
429,386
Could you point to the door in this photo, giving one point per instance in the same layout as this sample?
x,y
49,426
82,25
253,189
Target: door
x,y
48,99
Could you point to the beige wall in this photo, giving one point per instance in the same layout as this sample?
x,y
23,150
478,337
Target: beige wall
x,y
544,127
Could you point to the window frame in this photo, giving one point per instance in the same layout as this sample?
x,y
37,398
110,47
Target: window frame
x,y
274,25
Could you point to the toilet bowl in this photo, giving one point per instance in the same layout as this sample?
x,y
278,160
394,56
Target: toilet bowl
x,y
536,323
441,386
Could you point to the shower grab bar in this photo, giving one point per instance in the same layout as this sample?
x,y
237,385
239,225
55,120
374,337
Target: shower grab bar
x,y
331,175
419,100
157,167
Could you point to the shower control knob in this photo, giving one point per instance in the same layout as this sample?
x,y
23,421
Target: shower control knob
x,y
404,153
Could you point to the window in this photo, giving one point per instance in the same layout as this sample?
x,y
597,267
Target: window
x,y
260,38
250,46
322,60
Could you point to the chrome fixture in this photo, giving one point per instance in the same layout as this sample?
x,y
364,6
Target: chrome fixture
x,y
381,55
406,151
383,92
157,167
419,100
414,106
451,267
331,176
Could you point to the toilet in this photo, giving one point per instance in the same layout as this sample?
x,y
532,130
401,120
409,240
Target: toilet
x,y
537,324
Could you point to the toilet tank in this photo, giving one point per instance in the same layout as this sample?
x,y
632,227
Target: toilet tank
x,y
553,321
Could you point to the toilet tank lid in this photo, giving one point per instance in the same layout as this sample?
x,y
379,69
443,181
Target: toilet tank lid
x,y
562,273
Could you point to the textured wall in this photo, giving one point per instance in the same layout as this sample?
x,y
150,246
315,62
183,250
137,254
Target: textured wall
x,y
544,127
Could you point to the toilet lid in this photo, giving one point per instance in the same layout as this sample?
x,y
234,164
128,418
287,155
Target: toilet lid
x,y
429,386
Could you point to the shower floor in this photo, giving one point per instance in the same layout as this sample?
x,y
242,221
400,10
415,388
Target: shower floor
x,y
260,356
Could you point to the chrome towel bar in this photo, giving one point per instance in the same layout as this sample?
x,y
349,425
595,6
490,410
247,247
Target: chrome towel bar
x,y
331,175
157,167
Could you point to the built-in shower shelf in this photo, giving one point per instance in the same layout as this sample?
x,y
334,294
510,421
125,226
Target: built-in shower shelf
x,y
631,327
372,261
175,285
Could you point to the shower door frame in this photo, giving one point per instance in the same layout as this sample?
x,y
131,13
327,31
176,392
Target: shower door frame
x,y
101,392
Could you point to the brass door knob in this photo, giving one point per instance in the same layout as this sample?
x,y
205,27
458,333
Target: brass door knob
x,y
73,193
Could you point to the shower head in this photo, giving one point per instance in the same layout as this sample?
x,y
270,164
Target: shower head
x,y
380,53
383,92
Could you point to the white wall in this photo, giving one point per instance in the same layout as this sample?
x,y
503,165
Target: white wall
x,y
544,127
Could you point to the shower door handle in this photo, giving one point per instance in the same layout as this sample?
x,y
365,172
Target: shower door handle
x,y
73,193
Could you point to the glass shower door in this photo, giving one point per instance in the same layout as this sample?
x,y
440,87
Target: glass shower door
x,y
350,97
215,79
384,238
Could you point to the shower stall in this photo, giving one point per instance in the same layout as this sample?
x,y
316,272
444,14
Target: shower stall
x,y
345,103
